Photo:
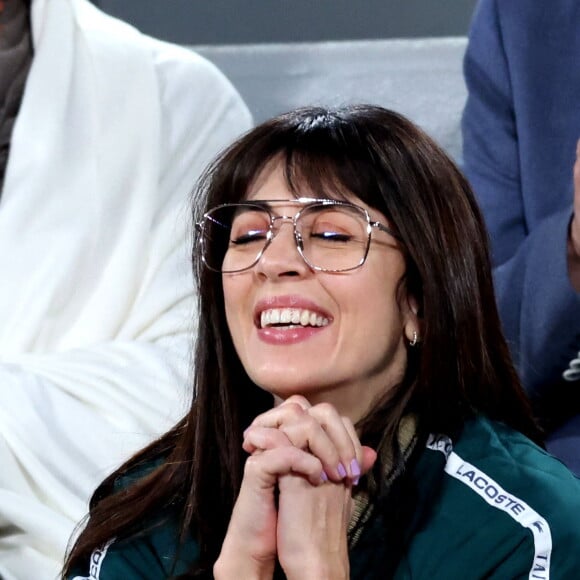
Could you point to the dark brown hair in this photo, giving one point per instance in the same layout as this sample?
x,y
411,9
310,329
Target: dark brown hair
x,y
462,368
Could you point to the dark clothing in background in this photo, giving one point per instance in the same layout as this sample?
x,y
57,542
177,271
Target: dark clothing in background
x,y
520,128
15,60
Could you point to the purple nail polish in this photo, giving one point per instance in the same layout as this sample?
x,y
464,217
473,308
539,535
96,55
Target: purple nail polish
x,y
354,468
355,480
323,476
341,470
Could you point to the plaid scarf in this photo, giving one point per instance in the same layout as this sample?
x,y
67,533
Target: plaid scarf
x,y
363,508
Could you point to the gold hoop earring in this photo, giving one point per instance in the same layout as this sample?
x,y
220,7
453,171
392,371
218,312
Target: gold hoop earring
x,y
415,339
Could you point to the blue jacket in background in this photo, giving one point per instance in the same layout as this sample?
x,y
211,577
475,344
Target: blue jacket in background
x,y
520,128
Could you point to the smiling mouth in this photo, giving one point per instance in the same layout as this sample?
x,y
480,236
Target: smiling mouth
x,y
291,318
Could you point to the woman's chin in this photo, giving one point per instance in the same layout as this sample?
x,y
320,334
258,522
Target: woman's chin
x,y
283,387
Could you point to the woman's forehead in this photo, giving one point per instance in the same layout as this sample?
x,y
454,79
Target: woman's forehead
x,y
270,180
274,182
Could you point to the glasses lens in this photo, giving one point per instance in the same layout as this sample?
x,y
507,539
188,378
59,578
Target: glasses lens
x,y
234,236
334,237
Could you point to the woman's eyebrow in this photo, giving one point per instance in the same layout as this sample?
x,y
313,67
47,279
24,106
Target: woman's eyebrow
x,y
269,204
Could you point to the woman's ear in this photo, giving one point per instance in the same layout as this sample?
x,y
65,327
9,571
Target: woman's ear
x,y
413,323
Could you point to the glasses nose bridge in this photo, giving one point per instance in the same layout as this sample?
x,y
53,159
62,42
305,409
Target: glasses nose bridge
x,y
278,221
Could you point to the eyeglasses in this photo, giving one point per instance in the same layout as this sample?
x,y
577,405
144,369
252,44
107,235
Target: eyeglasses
x,y
330,235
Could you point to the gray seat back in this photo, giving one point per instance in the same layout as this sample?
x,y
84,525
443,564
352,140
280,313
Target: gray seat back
x,y
421,78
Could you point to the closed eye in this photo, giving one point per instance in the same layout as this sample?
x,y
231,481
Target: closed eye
x,y
248,237
331,236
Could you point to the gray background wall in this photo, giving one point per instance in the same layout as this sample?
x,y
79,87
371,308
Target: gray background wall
x,y
257,21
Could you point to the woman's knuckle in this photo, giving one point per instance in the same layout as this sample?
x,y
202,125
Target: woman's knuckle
x,y
326,411
292,411
252,464
299,400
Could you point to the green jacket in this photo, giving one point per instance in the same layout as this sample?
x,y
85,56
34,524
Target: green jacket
x,y
495,506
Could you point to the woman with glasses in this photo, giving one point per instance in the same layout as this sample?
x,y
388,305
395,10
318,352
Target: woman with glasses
x,y
356,412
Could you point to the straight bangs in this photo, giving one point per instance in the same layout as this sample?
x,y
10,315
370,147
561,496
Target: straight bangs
x,y
340,176
322,156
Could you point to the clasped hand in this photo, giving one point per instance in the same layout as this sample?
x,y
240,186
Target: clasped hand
x,y
295,499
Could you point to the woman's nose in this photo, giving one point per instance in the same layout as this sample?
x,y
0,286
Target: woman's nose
x,y
281,257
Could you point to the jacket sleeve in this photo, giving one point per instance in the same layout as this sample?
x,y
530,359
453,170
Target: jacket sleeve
x,y
520,564
539,308
135,562
147,558
67,418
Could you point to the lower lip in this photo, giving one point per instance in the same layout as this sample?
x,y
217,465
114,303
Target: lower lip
x,y
282,336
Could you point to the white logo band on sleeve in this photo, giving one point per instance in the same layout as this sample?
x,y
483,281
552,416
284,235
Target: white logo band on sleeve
x,y
96,562
497,497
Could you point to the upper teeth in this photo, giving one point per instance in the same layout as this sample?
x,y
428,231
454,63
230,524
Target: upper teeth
x,y
291,316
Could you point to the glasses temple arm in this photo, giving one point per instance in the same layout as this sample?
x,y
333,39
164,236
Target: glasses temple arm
x,y
385,229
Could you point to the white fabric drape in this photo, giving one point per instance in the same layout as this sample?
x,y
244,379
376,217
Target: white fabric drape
x,y
96,298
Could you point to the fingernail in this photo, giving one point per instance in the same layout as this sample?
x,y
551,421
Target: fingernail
x,y
355,481
323,476
341,470
355,468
